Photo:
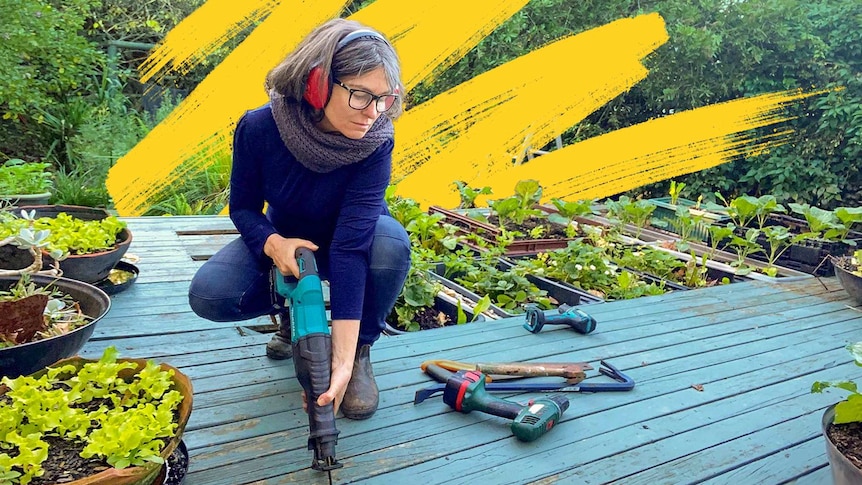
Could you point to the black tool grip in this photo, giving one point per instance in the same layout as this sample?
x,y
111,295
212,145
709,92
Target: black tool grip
x,y
313,364
306,262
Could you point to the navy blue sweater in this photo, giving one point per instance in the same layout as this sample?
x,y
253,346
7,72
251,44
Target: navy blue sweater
x,y
336,210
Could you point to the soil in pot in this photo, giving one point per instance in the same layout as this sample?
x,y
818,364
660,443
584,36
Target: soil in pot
x,y
848,439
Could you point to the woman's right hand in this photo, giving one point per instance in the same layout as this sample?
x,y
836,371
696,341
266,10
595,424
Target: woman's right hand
x,y
282,251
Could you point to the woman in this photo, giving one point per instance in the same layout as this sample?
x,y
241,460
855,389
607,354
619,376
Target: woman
x,y
319,155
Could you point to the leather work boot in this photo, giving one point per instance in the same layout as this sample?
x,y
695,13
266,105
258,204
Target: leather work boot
x,y
361,397
279,347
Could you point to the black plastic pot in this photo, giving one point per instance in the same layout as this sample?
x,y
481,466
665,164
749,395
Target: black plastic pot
x,y
28,358
851,283
844,472
88,268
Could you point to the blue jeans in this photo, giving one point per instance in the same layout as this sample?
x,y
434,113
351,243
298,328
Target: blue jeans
x,y
235,285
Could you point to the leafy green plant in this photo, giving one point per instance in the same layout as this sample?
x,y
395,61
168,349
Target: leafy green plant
x,y
629,286
744,247
849,216
509,289
468,194
650,260
22,178
568,211
625,210
69,234
675,191
779,239
519,207
124,422
744,209
850,409
824,223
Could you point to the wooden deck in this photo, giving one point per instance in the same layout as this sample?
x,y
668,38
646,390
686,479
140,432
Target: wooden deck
x,y
755,349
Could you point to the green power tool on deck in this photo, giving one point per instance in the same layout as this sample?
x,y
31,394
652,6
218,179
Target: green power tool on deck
x,y
312,353
465,392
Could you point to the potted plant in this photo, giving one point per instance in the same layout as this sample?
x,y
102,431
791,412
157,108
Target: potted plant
x,y
124,417
44,319
841,427
850,274
25,182
93,240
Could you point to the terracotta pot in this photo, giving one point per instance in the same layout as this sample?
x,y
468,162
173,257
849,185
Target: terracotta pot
x,y
851,283
844,472
30,357
139,475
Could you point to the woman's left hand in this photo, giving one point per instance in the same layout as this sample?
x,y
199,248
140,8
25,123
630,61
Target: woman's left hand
x,y
345,335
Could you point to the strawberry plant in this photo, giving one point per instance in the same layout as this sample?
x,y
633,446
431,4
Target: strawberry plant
x,y
96,408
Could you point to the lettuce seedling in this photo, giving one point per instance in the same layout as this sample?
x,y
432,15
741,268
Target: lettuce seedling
x,y
849,410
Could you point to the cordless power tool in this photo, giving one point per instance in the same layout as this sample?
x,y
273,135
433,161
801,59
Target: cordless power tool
x,y
312,353
465,392
566,315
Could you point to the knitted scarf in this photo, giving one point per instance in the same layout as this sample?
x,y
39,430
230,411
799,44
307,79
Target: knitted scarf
x,y
318,151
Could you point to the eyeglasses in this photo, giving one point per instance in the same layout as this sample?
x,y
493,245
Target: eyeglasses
x,y
360,99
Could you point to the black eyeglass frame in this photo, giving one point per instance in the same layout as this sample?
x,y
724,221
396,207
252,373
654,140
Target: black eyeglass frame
x,y
374,98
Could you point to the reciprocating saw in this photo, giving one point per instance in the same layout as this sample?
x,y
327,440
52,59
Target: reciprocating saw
x,y
312,353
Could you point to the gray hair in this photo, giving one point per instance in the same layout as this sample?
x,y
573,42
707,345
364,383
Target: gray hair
x,y
354,59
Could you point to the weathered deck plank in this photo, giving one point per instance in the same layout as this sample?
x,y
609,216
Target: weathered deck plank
x,y
754,347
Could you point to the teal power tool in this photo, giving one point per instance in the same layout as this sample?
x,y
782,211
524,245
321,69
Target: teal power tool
x,y
465,392
568,315
312,353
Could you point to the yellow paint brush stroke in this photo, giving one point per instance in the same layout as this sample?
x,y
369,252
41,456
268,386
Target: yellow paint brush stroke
x,y
426,33
659,149
201,33
473,131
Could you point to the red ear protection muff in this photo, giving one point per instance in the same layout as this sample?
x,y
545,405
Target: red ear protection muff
x,y
318,85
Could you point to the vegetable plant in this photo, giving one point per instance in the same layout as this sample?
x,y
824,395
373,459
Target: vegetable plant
x,y
779,239
745,246
519,207
745,209
68,234
824,223
675,191
468,194
123,422
848,217
627,211
568,211
850,409
18,177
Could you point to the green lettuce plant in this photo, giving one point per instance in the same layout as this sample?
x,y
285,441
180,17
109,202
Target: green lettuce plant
x,y
67,234
125,422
